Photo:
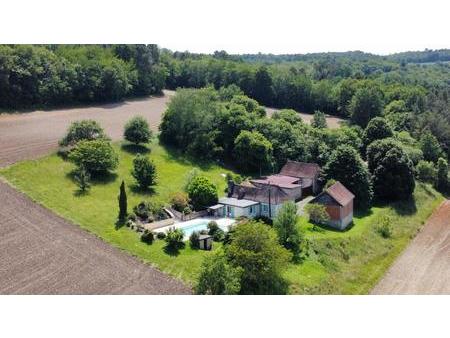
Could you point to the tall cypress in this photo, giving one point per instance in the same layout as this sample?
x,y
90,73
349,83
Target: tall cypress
x,y
122,202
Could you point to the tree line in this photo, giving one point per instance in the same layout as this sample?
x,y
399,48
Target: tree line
x,y
34,75
353,85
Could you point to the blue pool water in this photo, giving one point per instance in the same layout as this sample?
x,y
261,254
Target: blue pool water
x,y
189,229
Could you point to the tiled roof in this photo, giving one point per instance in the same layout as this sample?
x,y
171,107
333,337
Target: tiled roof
x,y
300,169
340,193
262,194
237,202
279,180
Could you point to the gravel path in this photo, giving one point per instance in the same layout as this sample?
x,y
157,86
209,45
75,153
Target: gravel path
x,y
42,253
424,267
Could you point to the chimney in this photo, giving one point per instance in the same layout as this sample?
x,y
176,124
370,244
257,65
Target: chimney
x,y
230,188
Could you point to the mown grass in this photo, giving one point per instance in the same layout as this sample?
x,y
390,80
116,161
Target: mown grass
x,y
49,182
352,261
349,262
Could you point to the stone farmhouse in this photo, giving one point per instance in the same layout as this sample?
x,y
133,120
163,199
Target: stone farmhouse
x,y
264,196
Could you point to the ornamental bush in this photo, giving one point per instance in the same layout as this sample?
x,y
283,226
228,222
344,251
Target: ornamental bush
x,y
147,237
174,239
137,130
144,171
194,240
97,156
202,192
82,130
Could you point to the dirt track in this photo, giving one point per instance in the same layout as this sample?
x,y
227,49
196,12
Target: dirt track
x,y
333,122
41,253
32,135
424,267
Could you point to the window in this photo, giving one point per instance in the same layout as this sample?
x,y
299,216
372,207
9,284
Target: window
x,y
265,208
252,210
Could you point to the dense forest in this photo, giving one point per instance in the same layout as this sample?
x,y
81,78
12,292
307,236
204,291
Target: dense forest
x,y
412,96
410,90
65,74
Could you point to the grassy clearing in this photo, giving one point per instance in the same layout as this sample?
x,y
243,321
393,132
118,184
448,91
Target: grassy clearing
x,y
349,262
49,182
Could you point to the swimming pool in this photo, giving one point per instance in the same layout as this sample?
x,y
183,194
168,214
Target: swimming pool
x,y
199,224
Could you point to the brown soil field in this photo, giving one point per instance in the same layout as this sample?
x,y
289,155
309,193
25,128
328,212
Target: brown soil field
x,y
333,122
424,267
41,253
32,135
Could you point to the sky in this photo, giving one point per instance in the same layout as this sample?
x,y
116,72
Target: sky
x,y
237,26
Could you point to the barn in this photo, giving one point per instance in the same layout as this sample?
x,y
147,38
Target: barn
x,y
338,201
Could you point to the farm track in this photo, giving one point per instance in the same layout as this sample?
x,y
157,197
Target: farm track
x,y
424,267
42,253
32,135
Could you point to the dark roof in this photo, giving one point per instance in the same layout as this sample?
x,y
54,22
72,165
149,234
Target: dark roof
x,y
260,194
300,169
280,181
339,193
241,203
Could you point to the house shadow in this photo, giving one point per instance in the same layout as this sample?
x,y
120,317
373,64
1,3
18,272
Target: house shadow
x,y
135,149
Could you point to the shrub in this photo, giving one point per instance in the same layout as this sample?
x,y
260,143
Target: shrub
x,y
202,192
426,171
174,239
442,180
285,223
264,219
252,151
317,213
144,171
160,235
132,217
212,227
147,237
385,227
88,130
82,177
256,250
123,203
142,210
218,276
194,240
329,183
150,211
179,201
319,121
187,210
191,175
137,130
219,235
97,156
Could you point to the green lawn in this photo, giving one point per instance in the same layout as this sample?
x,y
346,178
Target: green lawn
x,y
351,262
347,262
48,182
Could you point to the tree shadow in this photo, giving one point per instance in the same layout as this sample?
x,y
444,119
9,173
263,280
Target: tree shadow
x,y
119,224
174,250
405,208
135,188
98,178
135,149
81,193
